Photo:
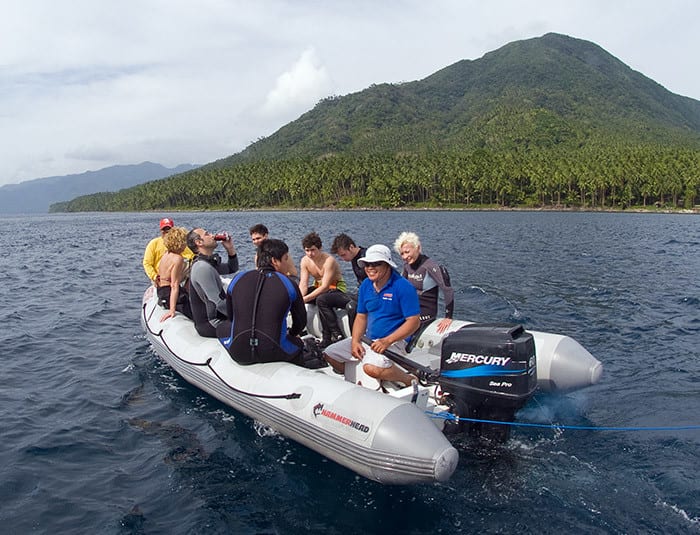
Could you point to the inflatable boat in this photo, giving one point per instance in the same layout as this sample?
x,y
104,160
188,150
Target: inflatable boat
x,y
385,432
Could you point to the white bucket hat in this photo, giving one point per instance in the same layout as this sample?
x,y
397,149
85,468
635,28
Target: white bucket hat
x,y
377,253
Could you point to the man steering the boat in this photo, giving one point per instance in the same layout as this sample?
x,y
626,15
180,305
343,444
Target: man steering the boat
x,y
207,296
258,303
387,312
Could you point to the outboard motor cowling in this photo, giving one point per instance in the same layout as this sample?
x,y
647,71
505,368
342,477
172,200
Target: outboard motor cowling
x,y
490,371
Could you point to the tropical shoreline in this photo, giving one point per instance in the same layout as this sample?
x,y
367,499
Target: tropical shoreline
x,y
635,210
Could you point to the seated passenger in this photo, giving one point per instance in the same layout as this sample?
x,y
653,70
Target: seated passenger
x,y
427,276
328,289
258,302
344,246
171,269
387,312
156,249
258,233
207,296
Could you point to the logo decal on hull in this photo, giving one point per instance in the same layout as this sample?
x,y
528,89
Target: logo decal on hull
x,y
320,410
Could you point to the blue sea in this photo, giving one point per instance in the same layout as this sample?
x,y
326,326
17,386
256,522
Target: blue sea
x,y
99,436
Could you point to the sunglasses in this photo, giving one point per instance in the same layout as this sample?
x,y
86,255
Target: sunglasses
x,y
373,264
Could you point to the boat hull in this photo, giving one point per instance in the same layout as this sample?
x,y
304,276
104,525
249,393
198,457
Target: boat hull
x,y
381,437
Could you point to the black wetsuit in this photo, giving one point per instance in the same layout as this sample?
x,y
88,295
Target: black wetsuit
x,y
272,296
358,270
350,299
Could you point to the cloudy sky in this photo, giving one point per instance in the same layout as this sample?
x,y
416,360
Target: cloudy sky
x,y
85,84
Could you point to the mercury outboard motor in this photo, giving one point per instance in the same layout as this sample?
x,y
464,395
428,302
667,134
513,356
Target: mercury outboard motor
x,y
489,372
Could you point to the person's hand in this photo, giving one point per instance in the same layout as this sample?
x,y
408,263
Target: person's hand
x,y
228,245
444,324
167,315
380,345
357,350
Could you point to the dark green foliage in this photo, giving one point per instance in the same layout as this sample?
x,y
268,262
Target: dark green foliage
x,y
548,121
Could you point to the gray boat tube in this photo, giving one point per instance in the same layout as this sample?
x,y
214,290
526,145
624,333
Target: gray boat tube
x,y
382,437
563,365
566,365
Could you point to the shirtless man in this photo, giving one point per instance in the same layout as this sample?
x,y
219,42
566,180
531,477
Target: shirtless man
x,y
328,286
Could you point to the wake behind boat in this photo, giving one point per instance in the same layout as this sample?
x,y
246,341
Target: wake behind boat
x,y
387,433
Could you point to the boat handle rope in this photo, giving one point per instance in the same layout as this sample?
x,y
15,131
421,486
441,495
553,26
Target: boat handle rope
x,y
293,395
452,417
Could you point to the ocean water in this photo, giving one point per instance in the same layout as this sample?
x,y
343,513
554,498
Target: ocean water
x,y
99,436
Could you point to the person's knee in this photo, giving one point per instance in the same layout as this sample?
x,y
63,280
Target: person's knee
x,y
374,371
337,365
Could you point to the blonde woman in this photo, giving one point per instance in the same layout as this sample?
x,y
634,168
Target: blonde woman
x,y
171,273
427,277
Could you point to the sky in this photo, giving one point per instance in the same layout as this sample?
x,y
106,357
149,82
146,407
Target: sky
x,y
87,84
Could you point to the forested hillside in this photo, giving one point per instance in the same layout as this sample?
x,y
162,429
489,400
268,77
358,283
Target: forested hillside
x,y
547,121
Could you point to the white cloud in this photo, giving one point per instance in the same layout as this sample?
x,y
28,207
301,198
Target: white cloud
x,y
87,84
299,88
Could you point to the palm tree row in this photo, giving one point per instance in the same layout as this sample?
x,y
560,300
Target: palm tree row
x,y
592,176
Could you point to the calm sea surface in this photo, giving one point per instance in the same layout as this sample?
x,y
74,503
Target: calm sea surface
x,y
99,436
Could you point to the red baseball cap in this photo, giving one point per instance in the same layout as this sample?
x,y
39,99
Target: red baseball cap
x,y
166,222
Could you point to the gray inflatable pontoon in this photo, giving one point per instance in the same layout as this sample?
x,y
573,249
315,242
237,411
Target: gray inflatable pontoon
x,y
394,438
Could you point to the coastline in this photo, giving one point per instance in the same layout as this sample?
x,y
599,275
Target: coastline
x,y
635,210
632,210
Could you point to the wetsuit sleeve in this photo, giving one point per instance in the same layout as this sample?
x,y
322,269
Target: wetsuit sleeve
x,y
442,277
231,265
297,310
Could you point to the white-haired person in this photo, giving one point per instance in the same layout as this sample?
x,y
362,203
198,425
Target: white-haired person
x,y
387,313
427,277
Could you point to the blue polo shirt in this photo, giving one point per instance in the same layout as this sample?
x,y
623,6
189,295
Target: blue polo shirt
x,y
387,309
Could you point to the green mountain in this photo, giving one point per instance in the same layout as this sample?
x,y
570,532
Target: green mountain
x,y
549,120
545,91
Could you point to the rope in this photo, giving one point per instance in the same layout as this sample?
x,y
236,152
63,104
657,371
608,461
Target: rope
x,y
450,416
293,395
